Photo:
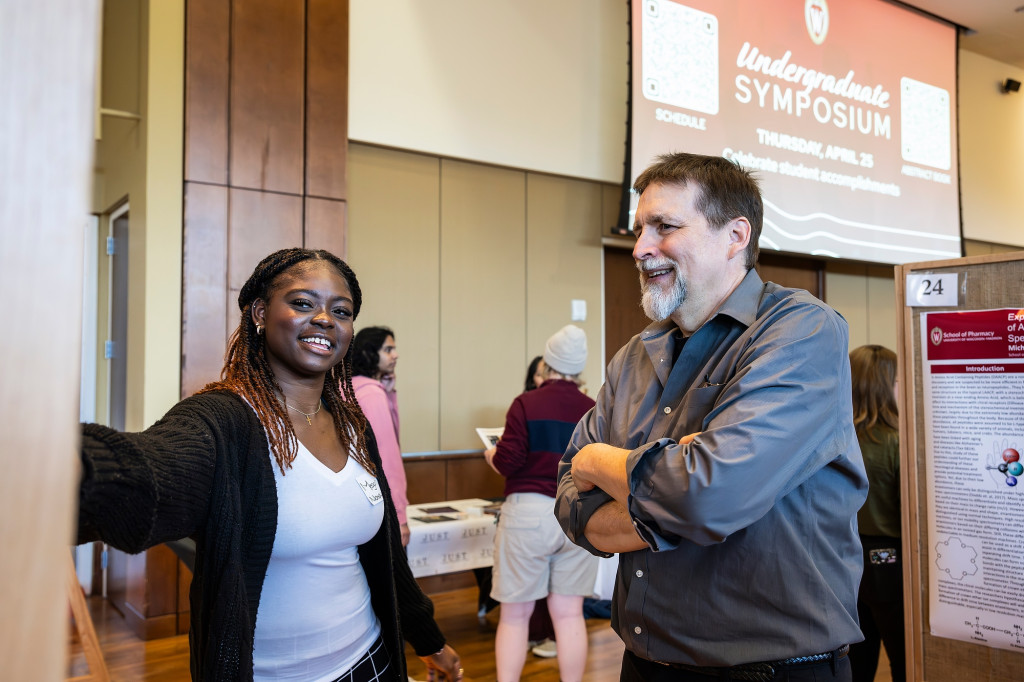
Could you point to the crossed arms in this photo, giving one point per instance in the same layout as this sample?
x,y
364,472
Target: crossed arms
x,y
610,529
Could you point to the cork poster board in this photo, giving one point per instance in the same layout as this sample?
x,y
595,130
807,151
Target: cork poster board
x,y
961,358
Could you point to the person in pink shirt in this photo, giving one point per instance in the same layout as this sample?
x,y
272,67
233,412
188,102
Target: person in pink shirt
x,y
374,356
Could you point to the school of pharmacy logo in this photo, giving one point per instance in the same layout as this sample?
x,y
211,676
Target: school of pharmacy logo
x,y
816,18
936,336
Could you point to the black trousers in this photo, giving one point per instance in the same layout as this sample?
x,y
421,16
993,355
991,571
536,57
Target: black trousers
x,y
636,669
880,607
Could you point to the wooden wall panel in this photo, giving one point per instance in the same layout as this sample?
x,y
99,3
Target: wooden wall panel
x,y
436,478
611,206
326,98
325,225
266,116
471,477
446,582
184,606
267,97
144,588
259,223
623,316
162,561
483,302
793,271
206,90
204,303
426,480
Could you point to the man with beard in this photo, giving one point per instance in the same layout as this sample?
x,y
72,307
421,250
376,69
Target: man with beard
x,y
721,460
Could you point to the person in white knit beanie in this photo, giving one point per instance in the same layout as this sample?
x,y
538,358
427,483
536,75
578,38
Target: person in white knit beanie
x,y
532,557
566,351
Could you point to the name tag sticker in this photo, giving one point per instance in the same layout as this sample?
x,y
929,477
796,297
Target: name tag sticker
x,y
931,290
370,488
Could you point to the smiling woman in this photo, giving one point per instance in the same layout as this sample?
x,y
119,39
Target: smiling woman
x,y
299,569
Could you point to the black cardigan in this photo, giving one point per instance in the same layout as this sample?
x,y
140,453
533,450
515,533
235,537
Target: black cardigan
x,y
205,470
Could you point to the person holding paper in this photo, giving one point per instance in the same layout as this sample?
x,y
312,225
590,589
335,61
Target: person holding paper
x,y
532,558
721,460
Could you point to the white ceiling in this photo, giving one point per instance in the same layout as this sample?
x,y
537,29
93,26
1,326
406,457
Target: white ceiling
x,y
995,28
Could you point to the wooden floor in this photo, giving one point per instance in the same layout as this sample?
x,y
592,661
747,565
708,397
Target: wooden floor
x,y
166,660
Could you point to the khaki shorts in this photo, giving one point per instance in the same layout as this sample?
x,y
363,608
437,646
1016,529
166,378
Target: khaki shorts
x,y
532,556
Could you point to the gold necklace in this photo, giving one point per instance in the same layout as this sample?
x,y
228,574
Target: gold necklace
x,y
309,416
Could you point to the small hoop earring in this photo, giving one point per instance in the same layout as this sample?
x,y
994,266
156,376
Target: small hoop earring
x,y
259,329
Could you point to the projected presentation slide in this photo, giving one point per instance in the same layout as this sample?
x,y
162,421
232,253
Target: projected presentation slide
x,y
845,110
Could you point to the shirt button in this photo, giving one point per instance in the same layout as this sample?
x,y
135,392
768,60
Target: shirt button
x,y
639,574
668,410
638,629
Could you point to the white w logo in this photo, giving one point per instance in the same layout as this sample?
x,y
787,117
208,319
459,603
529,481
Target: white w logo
x,y
818,19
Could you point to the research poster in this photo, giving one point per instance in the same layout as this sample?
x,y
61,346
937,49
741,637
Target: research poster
x,y
973,381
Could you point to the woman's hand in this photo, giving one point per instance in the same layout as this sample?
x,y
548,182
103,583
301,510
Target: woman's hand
x,y
489,458
444,665
405,534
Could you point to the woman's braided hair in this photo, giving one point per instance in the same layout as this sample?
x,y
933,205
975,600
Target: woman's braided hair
x,y
247,373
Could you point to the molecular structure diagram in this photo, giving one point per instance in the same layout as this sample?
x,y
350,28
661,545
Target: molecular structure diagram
x,y
1010,467
955,558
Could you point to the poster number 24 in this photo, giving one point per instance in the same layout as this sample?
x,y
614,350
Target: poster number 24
x,y
931,290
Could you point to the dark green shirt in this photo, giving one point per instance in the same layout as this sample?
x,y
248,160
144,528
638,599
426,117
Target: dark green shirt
x,y
880,514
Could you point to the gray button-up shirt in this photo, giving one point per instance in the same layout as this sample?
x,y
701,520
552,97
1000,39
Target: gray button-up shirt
x,y
752,527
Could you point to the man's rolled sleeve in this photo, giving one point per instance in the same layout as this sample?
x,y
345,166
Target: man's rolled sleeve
x,y
640,484
573,508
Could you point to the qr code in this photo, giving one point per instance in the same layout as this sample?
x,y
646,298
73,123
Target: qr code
x,y
925,115
680,56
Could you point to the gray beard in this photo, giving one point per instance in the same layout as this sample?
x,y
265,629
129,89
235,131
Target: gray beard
x,y
659,304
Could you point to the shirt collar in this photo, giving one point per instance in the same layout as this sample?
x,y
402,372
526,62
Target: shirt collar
x,y
741,305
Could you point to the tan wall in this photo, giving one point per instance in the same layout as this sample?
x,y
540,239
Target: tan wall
x,y
142,64
866,296
474,267
976,248
991,147
533,85
394,246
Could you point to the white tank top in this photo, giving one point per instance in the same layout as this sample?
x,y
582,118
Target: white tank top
x,y
315,618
